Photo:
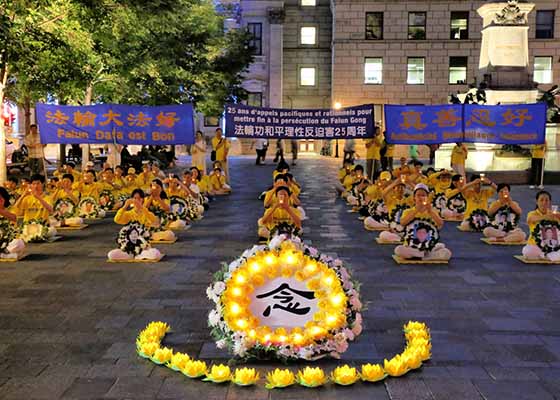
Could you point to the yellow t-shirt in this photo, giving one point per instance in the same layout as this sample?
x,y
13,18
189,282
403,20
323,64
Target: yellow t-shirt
x,y
348,181
538,151
391,202
458,155
477,200
342,173
530,214
390,151
157,203
204,184
31,208
374,151
373,192
143,181
88,190
143,216
279,215
221,152
217,182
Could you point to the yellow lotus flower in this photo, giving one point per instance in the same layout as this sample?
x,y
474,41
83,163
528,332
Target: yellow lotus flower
x,y
245,376
415,326
396,366
280,378
345,375
162,355
312,377
412,359
417,334
423,352
219,373
314,284
373,373
178,361
148,349
194,369
257,280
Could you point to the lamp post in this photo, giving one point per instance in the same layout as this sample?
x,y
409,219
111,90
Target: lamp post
x,y
337,106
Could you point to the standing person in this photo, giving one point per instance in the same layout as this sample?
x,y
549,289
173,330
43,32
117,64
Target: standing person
x,y
220,146
537,165
294,151
198,151
413,152
35,149
260,148
389,153
433,148
373,154
349,150
279,151
459,155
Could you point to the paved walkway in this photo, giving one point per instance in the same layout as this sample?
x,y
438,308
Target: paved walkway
x,y
68,320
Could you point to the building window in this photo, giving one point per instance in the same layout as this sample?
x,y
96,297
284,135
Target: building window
x,y
416,25
308,35
307,76
373,71
374,25
308,3
458,70
255,29
254,99
211,121
545,24
543,70
415,71
459,25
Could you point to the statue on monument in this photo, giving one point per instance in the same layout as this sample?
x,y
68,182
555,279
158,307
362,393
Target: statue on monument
x,y
552,109
511,15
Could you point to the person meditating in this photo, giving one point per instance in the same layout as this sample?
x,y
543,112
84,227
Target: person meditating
x,y
35,209
544,225
65,201
396,202
280,217
375,211
218,182
456,202
421,230
89,191
12,247
158,204
504,218
476,216
439,183
134,238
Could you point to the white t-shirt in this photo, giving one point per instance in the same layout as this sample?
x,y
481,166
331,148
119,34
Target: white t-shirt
x,y
261,144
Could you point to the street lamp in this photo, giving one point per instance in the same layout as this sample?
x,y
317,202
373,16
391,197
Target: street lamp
x,y
337,106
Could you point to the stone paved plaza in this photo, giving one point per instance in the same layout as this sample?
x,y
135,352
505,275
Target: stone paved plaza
x,y
68,319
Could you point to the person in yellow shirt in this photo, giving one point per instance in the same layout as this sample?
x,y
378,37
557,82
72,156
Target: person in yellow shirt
x,y
396,202
158,204
376,213
422,224
119,177
456,202
504,218
544,237
89,190
476,216
16,247
373,154
404,169
65,201
221,146
136,246
218,182
35,208
281,217
538,152
458,158
359,183
439,183
110,193
389,155
416,175
130,181
145,178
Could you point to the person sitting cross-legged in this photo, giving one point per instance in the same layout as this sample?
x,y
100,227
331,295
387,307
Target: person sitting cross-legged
x,y
280,217
504,217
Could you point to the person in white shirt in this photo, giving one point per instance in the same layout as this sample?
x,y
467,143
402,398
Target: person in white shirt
x,y
261,146
35,151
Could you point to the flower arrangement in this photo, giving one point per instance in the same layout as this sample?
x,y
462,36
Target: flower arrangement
x,y
133,238
88,208
417,351
540,231
106,200
326,332
457,203
505,219
425,242
478,220
179,208
35,230
64,208
378,211
7,234
162,216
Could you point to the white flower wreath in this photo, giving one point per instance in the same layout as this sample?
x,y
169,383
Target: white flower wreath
x,y
179,208
7,234
35,230
88,207
134,238
64,208
106,200
334,322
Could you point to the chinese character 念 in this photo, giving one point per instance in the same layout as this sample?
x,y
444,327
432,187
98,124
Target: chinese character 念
x,y
519,115
446,118
285,296
58,118
412,119
139,119
168,119
84,119
481,117
111,117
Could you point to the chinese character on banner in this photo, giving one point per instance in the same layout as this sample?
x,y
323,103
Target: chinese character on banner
x,y
412,119
446,118
279,130
289,131
168,119
239,130
519,115
249,130
298,131
269,130
309,131
481,117
111,117
352,131
329,131
139,119
84,119
320,132
259,131
58,118
286,300
361,130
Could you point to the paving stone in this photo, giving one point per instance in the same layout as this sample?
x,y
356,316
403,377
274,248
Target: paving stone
x,y
135,387
47,387
446,389
494,390
408,389
88,388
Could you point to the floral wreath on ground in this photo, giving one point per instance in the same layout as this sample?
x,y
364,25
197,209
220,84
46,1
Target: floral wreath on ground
x,y
509,224
478,220
396,215
327,332
378,211
457,203
92,212
192,207
179,208
411,234
64,204
35,230
123,197
134,238
162,216
106,200
285,228
7,234
541,227
439,201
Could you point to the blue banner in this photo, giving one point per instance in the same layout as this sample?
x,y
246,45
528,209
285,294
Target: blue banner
x,y
423,124
468,123
116,123
258,122
505,124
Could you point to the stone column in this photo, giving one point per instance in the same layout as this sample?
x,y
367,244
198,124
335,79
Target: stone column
x,y
275,56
